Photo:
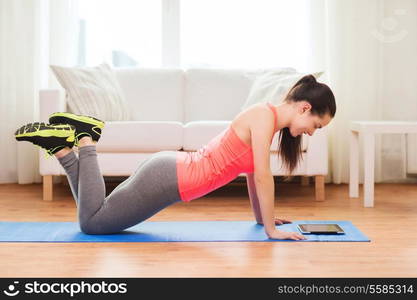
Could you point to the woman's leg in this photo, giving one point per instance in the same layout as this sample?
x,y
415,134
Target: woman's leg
x,y
150,189
69,162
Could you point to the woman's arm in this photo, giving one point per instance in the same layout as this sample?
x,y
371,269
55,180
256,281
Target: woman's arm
x,y
266,195
254,201
262,132
274,234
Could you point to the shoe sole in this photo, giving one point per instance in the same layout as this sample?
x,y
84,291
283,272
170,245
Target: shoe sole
x,y
45,130
84,119
75,120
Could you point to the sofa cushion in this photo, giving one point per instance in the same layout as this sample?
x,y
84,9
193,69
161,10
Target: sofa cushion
x,y
214,94
152,93
140,136
267,88
273,86
93,91
218,94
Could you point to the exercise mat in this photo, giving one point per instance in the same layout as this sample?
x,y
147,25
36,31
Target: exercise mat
x,y
172,231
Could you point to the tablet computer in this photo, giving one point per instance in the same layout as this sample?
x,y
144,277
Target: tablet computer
x,y
320,228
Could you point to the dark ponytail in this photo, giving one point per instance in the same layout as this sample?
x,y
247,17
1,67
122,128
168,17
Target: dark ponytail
x,y
322,101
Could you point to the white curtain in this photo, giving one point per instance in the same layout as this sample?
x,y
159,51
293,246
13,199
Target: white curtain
x,y
368,50
33,34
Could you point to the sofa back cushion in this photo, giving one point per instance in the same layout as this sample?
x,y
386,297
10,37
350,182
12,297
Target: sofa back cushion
x,y
214,94
153,94
186,95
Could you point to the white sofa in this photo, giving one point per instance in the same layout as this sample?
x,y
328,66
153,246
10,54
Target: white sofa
x,y
175,109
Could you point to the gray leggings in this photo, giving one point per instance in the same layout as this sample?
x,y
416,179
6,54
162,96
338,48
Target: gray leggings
x,y
151,188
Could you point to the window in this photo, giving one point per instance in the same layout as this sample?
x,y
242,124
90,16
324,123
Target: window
x,y
197,33
120,32
236,33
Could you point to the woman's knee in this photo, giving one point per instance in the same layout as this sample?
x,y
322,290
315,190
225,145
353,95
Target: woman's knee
x,y
85,228
88,227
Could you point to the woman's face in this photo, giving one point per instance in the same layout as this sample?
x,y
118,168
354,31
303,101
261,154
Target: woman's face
x,y
305,122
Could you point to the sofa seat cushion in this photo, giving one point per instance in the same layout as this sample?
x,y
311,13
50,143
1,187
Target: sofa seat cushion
x,y
140,136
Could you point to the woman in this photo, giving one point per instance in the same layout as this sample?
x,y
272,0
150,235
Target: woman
x,y
167,177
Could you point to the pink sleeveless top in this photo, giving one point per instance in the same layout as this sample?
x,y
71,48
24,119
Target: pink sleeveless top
x,y
215,164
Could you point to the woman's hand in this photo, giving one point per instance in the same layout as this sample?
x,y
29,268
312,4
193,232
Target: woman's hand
x,y
283,235
278,222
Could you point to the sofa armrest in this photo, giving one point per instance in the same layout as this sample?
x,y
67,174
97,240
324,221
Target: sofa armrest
x,y
50,101
317,153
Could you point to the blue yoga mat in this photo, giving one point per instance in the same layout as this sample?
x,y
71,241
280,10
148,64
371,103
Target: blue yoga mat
x,y
191,231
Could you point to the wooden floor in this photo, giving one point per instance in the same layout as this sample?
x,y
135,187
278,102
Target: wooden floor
x,y
391,226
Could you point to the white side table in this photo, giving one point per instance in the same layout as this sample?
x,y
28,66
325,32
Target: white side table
x,y
368,129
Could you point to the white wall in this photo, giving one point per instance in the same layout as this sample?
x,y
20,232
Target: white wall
x,y
397,35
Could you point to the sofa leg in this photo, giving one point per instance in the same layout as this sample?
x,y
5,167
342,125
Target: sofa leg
x,y
319,179
305,180
47,187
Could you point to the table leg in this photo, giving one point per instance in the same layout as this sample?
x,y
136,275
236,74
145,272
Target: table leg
x,y
369,163
354,164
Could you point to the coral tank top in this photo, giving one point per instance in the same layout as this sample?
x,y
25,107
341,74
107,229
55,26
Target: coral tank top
x,y
217,163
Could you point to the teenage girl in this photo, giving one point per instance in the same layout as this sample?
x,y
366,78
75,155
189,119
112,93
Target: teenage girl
x,y
167,177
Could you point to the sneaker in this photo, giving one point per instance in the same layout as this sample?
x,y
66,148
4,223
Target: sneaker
x,y
84,125
51,137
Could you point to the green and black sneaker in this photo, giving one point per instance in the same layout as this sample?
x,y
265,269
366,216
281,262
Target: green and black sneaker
x,y
51,137
84,125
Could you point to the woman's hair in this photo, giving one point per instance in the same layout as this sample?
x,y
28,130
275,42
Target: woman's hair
x,y
322,101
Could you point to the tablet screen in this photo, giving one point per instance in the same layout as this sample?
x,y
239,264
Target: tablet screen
x,y
320,228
